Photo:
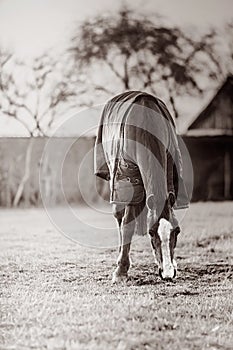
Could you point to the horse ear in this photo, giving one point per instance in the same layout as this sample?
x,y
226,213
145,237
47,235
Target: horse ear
x,y
176,230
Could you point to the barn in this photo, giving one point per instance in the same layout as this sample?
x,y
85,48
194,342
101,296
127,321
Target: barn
x,y
209,140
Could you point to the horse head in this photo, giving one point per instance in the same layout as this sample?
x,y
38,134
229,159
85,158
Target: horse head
x,y
163,241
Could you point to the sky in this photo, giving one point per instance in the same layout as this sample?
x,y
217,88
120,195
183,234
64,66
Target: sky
x,y
30,27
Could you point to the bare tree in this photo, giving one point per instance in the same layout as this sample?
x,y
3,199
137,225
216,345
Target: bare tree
x,y
32,95
141,53
228,40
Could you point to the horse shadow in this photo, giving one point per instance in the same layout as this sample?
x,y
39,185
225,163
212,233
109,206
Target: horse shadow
x,y
187,273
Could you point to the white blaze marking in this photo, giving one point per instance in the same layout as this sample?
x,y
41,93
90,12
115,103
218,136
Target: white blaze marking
x,y
164,231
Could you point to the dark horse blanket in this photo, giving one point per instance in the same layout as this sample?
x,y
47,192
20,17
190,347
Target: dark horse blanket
x,y
137,150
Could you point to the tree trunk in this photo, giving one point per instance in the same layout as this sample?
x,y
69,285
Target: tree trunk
x,y
27,170
126,75
173,106
8,187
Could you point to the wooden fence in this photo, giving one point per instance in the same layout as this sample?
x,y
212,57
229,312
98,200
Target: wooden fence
x,y
21,163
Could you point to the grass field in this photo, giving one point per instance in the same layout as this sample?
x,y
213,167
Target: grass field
x,y
58,295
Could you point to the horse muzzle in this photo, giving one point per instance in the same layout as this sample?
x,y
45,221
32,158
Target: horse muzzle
x,y
167,275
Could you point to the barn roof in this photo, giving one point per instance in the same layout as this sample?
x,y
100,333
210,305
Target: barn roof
x,y
217,117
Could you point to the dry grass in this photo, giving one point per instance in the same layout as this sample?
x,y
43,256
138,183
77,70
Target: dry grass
x,y
58,295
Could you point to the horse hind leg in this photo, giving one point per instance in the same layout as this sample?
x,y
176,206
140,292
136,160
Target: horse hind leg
x,y
118,212
126,228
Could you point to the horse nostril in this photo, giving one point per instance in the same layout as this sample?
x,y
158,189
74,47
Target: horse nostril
x,y
167,279
174,273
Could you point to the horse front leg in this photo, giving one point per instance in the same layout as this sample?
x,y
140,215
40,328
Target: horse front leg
x,y
126,232
118,212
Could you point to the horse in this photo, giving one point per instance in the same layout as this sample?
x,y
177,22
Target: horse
x,y
137,151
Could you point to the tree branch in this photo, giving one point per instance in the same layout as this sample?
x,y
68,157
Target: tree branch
x,y
12,115
110,64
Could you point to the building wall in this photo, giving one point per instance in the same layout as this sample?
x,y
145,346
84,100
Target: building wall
x,y
215,120
212,159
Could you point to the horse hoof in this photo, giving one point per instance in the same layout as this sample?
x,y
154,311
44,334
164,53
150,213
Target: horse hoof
x,y
117,279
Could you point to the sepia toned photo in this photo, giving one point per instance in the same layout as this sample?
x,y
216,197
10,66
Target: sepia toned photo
x,y
116,175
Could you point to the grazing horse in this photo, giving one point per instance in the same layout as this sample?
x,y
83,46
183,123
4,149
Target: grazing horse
x,y
137,151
